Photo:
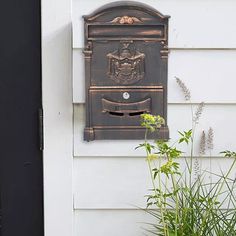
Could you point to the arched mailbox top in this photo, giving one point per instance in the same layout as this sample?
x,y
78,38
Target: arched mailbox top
x,y
110,10
126,19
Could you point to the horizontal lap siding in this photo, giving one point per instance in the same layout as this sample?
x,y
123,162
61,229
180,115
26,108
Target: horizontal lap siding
x,y
110,178
110,222
193,24
220,117
121,183
109,192
209,74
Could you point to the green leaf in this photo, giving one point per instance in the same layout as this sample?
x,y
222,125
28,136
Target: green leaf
x,y
149,204
155,174
228,153
181,140
185,136
140,145
172,234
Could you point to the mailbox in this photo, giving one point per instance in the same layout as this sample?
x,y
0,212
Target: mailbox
x,y
126,54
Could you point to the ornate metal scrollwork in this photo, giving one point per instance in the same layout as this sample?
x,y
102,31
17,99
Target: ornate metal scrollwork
x,y
126,65
164,50
88,50
126,20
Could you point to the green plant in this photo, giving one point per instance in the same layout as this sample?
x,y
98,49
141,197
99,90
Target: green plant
x,y
183,201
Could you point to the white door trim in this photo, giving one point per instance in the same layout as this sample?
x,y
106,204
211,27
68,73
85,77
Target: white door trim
x,y
58,116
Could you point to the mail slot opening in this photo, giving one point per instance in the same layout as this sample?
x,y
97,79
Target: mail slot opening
x,y
127,31
116,113
138,113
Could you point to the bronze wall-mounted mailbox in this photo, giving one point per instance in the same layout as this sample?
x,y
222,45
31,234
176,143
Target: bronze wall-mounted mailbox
x,y
126,57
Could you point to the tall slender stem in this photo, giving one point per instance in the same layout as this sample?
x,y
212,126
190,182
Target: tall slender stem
x,y
155,188
218,193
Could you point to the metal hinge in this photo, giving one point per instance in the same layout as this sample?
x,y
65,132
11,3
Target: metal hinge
x,y
40,114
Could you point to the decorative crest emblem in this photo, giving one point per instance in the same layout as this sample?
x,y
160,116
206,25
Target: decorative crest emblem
x,y
126,65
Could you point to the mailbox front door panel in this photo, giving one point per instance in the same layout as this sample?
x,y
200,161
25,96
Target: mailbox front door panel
x,y
126,56
126,63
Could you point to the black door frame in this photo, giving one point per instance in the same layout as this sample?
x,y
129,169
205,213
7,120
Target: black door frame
x,y
21,163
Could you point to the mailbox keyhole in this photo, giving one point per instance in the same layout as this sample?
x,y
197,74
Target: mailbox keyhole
x,y
126,95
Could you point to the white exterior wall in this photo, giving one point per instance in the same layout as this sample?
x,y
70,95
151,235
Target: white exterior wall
x,y
110,178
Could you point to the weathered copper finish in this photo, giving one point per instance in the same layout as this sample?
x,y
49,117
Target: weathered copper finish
x,y
126,52
126,20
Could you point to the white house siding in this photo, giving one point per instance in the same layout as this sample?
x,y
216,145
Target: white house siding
x,y
109,177
193,24
205,72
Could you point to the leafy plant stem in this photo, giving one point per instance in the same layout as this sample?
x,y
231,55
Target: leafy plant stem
x,y
210,170
154,187
185,205
176,203
192,145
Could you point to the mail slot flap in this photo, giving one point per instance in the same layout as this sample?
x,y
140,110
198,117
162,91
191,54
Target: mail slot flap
x,y
134,31
119,107
134,107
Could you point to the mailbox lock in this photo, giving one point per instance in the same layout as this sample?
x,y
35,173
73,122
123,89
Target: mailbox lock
x,y
126,95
